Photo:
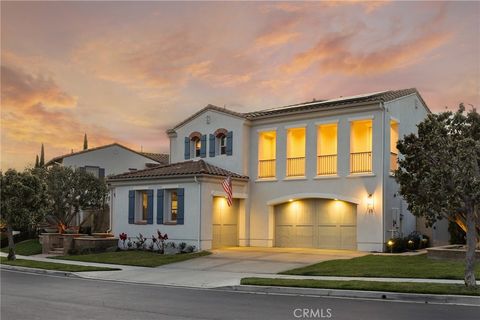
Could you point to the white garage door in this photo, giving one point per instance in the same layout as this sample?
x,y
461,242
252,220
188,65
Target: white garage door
x,y
225,223
316,223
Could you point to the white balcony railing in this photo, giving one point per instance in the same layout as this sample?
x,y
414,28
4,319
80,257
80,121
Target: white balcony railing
x,y
266,168
327,164
361,162
296,167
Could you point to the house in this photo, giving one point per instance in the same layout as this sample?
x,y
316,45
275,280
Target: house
x,y
315,175
110,159
107,160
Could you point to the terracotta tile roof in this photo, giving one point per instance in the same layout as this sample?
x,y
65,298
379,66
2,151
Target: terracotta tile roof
x,y
383,96
179,169
161,158
152,156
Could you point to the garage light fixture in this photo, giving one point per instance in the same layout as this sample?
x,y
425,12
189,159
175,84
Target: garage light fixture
x,y
290,200
370,203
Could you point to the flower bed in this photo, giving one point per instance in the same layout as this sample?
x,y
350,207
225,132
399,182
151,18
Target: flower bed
x,y
156,243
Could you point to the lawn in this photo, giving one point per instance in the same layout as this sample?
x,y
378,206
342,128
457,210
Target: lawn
x,y
51,265
387,266
408,287
134,258
26,248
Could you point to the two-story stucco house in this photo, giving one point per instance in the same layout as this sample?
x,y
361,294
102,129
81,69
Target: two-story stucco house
x,y
315,174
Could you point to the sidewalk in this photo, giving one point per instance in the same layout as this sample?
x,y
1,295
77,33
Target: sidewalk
x,y
177,274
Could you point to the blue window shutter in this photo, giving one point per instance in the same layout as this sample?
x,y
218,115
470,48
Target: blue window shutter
x,y
187,148
211,145
160,205
229,143
149,206
181,205
101,173
131,206
203,147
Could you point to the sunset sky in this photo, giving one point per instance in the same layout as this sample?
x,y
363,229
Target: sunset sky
x,y
127,71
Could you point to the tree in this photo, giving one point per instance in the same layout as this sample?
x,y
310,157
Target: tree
x,y
439,174
37,163
71,191
85,142
42,157
23,203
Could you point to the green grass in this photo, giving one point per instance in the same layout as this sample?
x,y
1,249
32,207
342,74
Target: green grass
x,y
418,266
134,258
51,265
406,287
26,248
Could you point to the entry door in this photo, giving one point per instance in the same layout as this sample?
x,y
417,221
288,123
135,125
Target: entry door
x,y
225,223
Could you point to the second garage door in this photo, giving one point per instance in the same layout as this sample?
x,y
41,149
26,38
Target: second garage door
x,y
316,223
224,223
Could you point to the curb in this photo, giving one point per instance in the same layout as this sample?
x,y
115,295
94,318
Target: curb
x,y
359,294
40,271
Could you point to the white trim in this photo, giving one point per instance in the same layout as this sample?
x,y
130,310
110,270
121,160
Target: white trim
x,y
367,117
296,196
223,194
168,186
394,119
324,122
359,175
266,179
267,129
293,126
327,176
294,178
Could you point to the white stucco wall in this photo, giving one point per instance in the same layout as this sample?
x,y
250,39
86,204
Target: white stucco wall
x,y
236,162
113,159
355,188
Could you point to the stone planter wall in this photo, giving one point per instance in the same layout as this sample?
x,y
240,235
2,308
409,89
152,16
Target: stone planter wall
x,y
450,252
50,241
95,244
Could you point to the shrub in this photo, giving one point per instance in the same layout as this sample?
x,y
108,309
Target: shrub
x,y
190,249
182,246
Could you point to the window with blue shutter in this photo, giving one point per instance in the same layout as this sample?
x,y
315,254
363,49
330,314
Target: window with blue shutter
x,y
181,206
229,143
160,205
150,207
187,148
131,206
211,145
203,146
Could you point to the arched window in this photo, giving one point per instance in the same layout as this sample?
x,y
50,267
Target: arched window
x,y
196,146
221,141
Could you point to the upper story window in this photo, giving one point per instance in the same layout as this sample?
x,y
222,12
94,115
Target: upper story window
x,y
296,152
393,146
361,146
222,143
196,146
266,154
327,149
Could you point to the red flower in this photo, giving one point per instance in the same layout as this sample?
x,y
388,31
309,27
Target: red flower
x,y
123,236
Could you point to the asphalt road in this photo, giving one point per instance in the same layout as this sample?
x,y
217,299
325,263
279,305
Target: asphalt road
x,y
32,296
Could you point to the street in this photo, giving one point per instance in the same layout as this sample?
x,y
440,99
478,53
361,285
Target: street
x,y
34,296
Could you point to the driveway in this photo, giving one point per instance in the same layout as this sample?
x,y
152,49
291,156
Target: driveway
x,y
225,267
261,260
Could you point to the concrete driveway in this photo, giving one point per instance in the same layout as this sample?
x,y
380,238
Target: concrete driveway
x,y
261,260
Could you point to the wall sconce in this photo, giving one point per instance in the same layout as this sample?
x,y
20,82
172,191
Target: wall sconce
x,y
370,204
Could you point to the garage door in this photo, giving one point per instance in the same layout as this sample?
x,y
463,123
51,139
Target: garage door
x,y
225,223
316,223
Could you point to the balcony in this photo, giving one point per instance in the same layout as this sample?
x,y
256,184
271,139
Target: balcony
x,y
393,162
266,168
327,164
296,167
361,162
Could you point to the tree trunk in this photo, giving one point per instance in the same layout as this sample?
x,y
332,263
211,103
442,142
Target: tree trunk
x,y
11,244
471,246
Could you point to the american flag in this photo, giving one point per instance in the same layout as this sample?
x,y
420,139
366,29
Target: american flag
x,y
227,186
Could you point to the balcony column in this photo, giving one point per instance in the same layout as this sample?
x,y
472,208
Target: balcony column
x,y
281,167
343,148
311,151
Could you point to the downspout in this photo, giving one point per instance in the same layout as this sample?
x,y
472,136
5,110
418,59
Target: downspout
x,y
383,173
200,213
112,195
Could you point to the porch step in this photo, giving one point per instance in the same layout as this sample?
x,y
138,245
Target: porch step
x,y
56,251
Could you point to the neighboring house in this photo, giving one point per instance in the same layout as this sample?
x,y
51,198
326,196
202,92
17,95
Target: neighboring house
x,y
110,159
107,160
316,174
